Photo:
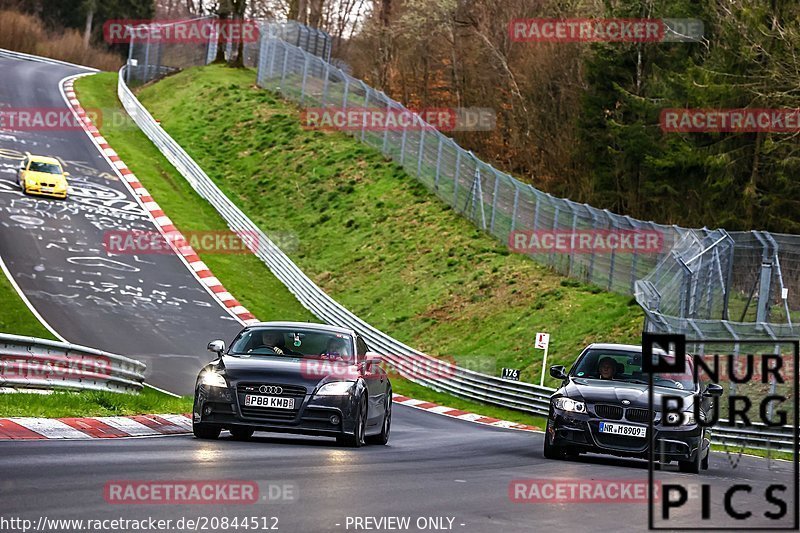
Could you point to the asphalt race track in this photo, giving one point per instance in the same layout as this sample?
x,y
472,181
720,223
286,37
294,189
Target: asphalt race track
x,y
440,473
145,306
433,467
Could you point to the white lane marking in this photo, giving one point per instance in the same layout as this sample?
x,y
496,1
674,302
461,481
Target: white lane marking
x,y
50,428
128,425
27,302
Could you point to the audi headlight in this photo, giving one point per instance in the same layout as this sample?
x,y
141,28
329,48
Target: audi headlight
x,y
674,418
568,404
213,379
337,388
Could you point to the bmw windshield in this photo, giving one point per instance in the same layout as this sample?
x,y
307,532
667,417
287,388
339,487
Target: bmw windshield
x,y
296,343
47,168
627,367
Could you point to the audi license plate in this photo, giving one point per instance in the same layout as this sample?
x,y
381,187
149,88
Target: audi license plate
x,y
251,400
624,430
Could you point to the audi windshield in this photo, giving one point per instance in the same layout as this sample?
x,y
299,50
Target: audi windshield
x,y
303,343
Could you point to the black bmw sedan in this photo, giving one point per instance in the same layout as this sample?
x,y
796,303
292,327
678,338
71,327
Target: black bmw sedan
x,y
290,377
602,406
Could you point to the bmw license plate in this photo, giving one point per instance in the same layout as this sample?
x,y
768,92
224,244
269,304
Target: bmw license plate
x,y
624,430
251,400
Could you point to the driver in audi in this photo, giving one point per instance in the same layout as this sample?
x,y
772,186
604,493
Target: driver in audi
x,y
274,341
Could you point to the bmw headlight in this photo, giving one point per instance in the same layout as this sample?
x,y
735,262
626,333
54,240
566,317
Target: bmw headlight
x,y
673,419
568,404
337,388
213,379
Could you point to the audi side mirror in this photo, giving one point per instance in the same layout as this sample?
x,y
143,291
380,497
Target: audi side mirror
x,y
558,372
216,346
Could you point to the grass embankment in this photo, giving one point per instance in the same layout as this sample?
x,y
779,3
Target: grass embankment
x,y
91,403
375,239
15,317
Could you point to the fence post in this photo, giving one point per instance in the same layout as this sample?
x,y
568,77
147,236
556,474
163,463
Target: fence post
x,y
455,180
305,76
364,114
147,58
385,128
612,264
403,146
516,203
344,94
325,85
494,199
572,237
130,57
285,65
420,152
438,162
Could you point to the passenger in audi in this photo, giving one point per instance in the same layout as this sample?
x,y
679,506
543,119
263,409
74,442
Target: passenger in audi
x,y
338,349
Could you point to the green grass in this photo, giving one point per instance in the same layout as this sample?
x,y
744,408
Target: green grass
x,y
374,238
91,403
245,276
15,317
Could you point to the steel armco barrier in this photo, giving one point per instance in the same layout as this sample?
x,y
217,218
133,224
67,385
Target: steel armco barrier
x,y
462,382
32,363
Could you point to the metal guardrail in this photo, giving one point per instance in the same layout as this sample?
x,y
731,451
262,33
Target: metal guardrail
x,y
460,381
33,363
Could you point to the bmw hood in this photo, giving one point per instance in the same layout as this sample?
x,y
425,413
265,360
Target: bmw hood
x,y
614,392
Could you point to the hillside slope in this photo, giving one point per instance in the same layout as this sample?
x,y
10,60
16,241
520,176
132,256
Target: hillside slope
x,y
374,238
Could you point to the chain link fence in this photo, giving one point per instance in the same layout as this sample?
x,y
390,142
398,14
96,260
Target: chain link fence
x,y
154,52
699,282
703,283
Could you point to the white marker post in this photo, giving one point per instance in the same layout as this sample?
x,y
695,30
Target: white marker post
x,y
542,343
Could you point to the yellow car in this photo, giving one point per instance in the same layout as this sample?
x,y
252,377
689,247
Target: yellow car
x,y
43,176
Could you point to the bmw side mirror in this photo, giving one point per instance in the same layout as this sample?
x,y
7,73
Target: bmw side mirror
x,y
713,389
66,174
216,346
558,372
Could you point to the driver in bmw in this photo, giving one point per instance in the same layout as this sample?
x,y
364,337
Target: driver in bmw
x,y
607,368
